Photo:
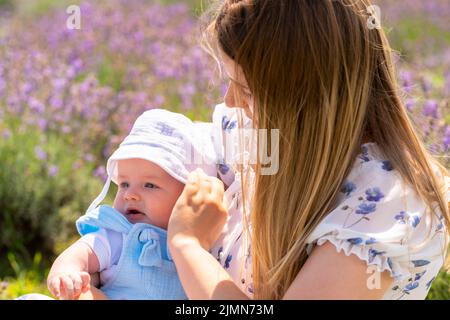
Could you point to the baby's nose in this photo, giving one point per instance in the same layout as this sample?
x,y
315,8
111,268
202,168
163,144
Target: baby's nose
x,y
131,195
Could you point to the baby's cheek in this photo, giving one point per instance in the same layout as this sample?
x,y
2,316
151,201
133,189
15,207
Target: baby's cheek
x,y
117,203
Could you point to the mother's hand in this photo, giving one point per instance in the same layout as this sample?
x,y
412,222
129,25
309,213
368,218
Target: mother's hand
x,y
199,213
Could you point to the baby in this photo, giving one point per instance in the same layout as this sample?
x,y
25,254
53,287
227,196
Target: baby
x,y
127,243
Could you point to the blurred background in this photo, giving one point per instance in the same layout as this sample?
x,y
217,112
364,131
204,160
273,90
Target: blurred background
x,y
68,97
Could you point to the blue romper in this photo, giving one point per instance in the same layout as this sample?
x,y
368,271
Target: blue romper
x,y
145,270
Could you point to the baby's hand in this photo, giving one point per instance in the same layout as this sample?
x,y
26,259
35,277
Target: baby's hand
x,y
69,286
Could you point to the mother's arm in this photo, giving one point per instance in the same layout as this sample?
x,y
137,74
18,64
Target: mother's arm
x,y
195,224
326,274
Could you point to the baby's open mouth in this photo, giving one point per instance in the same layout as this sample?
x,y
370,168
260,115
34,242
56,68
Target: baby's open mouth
x,y
134,211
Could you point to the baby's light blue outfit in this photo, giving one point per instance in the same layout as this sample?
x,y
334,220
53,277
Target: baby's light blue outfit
x,y
145,269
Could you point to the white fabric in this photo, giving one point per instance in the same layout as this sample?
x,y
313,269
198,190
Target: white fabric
x,y
232,248
107,246
389,232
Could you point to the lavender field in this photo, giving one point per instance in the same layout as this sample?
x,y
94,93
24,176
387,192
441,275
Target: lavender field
x,y
68,97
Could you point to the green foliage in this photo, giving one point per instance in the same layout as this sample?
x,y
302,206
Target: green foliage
x,y
27,279
44,187
110,75
5,4
440,289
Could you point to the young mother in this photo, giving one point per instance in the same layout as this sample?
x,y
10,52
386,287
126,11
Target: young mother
x,y
358,208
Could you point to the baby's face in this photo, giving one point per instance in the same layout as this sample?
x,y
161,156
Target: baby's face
x,y
146,193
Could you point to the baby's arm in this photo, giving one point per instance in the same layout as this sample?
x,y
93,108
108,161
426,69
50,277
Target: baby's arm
x,y
70,274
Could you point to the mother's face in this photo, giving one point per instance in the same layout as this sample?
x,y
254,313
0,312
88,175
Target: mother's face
x,y
237,87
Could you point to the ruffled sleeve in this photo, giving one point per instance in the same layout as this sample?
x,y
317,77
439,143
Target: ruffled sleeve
x,y
382,220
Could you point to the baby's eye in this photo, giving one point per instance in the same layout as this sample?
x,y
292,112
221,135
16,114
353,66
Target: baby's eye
x,y
124,185
151,185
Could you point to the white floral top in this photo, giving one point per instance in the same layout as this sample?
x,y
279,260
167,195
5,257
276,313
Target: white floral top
x,y
378,218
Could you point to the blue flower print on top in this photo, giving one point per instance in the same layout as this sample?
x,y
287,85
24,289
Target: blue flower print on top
x,y
366,208
389,261
250,287
410,286
227,261
223,168
374,194
219,253
227,124
415,221
348,188
387,166
363,209
420,263
355,240
401,217
404,217
373,253
371,241
364,154
430,282
406,289
419,275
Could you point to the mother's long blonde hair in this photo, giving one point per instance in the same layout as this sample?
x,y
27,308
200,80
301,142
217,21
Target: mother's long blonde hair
x,y
324,78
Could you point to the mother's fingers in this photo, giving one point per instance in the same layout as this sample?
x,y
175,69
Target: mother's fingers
x,y
200,186
192,184
217,188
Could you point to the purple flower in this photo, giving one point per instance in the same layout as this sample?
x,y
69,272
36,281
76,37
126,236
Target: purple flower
x,y
36,106
53,170
409,104
89,157
100,172
446,139
6,134
27,88
56,102
2,86
407,80
59,84
430,109
40,153
426,85
42,123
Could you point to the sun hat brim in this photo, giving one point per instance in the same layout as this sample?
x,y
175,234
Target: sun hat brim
x,y
166,160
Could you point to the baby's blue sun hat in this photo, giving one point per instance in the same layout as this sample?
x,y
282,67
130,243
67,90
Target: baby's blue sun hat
x,y
171,141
